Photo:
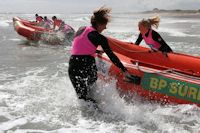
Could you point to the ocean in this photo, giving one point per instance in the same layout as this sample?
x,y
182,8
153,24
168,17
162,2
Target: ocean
x,y
36,95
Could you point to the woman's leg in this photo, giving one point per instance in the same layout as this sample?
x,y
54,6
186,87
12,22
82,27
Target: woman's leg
x,y
82,75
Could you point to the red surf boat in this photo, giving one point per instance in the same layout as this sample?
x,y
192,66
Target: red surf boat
x,y
28,29
32,31
174,78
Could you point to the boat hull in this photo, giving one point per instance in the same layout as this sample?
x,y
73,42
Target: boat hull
x,y
164,80
28,29
34,32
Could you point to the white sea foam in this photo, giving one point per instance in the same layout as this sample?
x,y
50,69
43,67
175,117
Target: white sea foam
x,y
4,24
15,39
82,19
111,102
12,123
195,26
175,21
176,32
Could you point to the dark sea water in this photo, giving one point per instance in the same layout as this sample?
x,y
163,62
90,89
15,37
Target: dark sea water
x,y
36,95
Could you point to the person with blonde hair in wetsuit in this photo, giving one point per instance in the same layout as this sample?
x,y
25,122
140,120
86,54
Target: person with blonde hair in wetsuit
x,y
150,36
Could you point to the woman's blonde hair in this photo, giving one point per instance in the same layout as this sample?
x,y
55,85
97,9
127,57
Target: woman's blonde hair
x,y
100,16
148,23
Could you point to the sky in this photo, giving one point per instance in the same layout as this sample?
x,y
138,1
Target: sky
x,y
86,6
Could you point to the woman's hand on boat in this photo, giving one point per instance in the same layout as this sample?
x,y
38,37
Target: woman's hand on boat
x,y
165,54
127,74
131,78
152,51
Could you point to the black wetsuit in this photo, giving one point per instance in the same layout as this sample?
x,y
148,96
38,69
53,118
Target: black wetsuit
x,y
82,68
156,37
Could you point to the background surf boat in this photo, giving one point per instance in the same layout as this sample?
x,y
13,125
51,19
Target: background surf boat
x,y
174,78
34,32
28,29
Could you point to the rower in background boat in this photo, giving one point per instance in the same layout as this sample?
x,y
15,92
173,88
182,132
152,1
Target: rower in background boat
x,y
39,20
60,25
47,22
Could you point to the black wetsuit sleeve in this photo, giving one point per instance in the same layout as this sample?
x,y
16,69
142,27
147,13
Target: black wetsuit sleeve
x,y
156,37
164,47
139,39
98,39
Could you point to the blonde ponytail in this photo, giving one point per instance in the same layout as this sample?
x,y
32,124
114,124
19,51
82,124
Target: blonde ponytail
x,y
148,23
154,21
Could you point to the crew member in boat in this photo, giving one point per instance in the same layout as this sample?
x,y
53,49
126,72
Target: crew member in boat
x,y
82,67
150,36
66,30
39,19
47,22
58,24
